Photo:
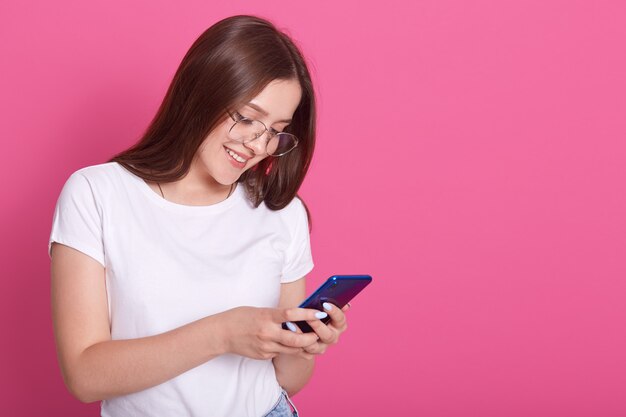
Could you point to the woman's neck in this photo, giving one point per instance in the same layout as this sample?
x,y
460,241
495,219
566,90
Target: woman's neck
x,y
194,190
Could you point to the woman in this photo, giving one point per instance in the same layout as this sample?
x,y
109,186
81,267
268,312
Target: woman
x,y
175,263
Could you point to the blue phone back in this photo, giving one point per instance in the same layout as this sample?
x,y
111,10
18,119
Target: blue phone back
x,y
337,290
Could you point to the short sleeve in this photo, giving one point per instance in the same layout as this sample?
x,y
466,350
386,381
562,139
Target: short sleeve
x,y
298,260
77,220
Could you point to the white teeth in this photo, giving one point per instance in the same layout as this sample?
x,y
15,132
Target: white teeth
x,y
235,156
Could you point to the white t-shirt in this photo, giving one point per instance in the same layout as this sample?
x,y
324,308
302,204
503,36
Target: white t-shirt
x,y
169,264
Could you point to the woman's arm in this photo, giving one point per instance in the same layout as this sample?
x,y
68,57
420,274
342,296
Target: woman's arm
x,y
95,367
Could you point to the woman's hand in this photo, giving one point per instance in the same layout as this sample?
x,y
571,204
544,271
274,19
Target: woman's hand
x,y
257,332
328,333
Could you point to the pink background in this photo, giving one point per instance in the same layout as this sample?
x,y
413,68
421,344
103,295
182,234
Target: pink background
x,y
471,158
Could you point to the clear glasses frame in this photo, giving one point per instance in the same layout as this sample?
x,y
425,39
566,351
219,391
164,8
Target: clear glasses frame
x,y
246,130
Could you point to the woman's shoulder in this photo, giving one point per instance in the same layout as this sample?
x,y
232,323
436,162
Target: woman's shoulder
x,y
104,170
295,207
97,179
294,214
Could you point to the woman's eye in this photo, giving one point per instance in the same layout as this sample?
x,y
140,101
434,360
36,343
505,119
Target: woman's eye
x,y
243,119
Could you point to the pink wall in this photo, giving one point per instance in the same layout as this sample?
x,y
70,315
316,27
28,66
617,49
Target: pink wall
x,y
471,158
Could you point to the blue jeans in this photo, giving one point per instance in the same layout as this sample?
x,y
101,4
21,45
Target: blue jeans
x,y
283,408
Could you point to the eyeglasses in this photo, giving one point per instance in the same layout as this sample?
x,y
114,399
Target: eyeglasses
x,y
246,130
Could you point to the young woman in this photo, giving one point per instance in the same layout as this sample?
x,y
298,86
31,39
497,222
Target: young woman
x,y
175,263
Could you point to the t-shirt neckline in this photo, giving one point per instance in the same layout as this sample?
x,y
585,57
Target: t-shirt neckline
x,y
182,208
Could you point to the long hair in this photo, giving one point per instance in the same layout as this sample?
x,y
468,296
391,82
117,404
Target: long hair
x,y
227,66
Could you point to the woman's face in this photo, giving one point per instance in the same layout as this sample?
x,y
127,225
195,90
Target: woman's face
x,y
274,106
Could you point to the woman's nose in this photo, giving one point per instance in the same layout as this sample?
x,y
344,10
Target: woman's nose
x,y
258,145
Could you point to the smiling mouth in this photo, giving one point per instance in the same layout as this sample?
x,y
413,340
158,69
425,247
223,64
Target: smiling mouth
x,y
235,159
235,156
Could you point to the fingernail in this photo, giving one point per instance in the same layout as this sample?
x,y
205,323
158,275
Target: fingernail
x,y
291,326
321,315
327,306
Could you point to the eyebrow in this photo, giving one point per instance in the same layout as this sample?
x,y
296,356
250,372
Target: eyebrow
x,y
265,113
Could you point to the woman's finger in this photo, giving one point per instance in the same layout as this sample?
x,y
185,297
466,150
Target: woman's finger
x,y
275,348
306,355
316,348
325,333
295,339
338,319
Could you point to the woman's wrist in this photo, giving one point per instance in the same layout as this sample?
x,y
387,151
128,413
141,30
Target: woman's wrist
x,y
217,335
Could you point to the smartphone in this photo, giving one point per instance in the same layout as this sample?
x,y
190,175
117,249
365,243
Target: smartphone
x,y
337,290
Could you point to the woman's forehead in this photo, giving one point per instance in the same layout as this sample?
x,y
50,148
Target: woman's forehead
x,y
278,100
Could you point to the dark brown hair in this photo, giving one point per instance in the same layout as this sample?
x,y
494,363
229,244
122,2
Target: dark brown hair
x,y
228,65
